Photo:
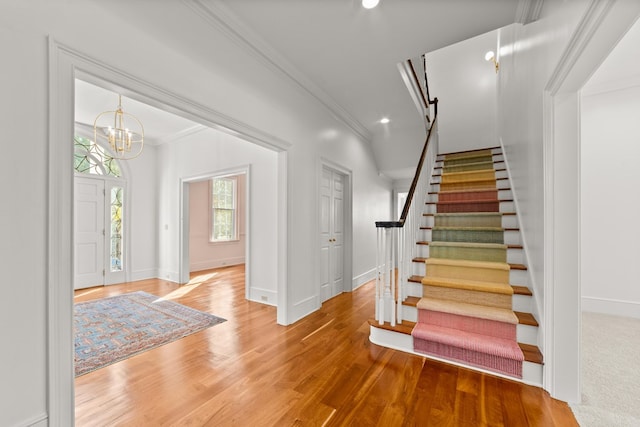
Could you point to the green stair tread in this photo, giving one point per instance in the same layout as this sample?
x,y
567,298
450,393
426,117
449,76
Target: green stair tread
x,y
462,202
469,245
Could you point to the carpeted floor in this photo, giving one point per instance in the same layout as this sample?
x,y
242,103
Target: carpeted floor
x,y
112,329
609,374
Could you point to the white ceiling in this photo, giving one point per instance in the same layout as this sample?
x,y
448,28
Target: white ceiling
x,y
159,126
348,55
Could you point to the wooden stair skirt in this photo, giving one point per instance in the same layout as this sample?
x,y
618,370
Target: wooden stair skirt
x,y
465,313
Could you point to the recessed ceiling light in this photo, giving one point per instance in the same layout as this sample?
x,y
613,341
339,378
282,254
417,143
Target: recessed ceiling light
x,y
384,120
369,4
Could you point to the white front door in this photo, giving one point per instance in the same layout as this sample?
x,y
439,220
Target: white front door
x,y
331,234
89,232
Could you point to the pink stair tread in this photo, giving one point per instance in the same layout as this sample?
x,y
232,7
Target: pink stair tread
x,y
494,354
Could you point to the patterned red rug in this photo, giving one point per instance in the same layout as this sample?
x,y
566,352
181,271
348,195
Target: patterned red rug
x,y
112,329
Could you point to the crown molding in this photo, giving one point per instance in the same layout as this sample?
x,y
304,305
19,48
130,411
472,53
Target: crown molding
x,y
101,74
528,11
226,22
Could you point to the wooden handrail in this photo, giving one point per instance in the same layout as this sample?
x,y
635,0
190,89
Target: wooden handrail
x,y
427,101
416,177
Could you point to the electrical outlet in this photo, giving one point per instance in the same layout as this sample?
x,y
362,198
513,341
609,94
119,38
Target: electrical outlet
x,y
264,298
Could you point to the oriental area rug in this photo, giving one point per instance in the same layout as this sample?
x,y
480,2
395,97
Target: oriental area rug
x,y
112,329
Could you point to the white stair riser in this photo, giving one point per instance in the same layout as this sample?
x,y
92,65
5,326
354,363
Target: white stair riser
x,y
531,372
515,256
522,303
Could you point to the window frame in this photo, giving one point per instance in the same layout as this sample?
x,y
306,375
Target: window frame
x,y
235,228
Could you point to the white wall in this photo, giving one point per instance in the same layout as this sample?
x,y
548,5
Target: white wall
x,y
465,85
217,80
610,201
143,189
528,55
23,249
204,254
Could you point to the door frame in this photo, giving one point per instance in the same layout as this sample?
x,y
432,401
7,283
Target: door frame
x,y
347,266
602,25
65,65
183,240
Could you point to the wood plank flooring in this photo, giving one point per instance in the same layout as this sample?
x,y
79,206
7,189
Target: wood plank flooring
x,y
320,371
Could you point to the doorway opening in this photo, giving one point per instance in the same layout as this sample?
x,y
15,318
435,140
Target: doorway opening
x,y
66,66
214,230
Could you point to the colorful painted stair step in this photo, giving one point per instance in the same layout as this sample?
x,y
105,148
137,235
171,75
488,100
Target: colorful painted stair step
x,y
495,354
493,252
468,219
468,234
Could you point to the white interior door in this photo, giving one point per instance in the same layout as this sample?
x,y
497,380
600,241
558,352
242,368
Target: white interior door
x,y
89,232
331,234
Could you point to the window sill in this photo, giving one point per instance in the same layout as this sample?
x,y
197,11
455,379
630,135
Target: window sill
x,y
222,242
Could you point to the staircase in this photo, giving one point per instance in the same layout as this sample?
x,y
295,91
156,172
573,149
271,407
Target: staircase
x,y
467,301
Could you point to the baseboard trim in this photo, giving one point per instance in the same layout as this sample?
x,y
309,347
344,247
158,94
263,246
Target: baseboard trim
x,y
611,306
263,296
363,278
303,308
40,420
143,275
216,263
171,276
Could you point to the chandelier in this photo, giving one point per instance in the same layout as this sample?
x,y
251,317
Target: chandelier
x,y
123,132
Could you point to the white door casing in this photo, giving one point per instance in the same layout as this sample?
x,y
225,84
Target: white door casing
x,y
89,232
332,235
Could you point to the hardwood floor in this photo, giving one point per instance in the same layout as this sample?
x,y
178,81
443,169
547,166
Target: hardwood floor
x,y
320,371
